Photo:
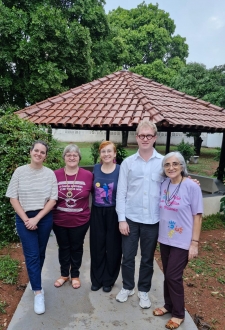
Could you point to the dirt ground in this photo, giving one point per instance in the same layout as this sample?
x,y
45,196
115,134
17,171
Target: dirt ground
x,y
204,283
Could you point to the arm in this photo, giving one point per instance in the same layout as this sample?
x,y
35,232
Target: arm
x,y
32,222
121,199
18,209
193,249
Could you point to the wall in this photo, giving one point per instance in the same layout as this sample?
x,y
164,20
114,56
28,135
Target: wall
x,y
73,135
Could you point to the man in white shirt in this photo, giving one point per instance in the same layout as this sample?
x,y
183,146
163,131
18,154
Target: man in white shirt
x,y
137,206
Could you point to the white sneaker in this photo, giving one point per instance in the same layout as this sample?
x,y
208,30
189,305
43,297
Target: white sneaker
x,y
124,294
144,299
39,303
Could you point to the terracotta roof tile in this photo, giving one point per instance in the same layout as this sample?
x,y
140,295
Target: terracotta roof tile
x,y
123,99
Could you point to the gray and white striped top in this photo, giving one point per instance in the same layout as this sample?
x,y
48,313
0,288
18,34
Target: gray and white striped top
x,y
33,187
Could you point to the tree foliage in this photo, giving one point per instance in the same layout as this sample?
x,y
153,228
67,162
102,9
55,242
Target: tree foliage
x,y
47,47
16,137
206,84
152,49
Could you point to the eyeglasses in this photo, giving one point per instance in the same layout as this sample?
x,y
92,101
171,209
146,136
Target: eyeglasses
x,y
148,136
174,165
71,156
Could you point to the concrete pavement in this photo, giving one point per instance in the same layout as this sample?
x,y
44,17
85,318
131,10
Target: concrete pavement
x,y
83,309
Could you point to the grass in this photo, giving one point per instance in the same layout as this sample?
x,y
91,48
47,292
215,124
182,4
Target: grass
x,y
2,307
206,164
213,221
9,270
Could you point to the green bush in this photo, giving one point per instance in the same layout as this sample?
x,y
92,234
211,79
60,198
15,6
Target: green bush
x,y
121,153
95,152
16,137
186,150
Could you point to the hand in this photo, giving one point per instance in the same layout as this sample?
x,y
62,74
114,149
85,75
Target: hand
x,y
194,180
124,228
193,250
31,223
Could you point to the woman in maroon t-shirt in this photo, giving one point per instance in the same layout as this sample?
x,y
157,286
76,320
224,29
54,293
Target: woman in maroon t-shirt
x,y
71,215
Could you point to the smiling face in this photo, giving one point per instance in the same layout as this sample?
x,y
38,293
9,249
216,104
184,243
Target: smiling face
x,y
173,169
145,138
107,154
38,154
72,159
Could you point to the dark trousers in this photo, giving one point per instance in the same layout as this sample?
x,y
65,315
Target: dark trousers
x,y
148,235
105,246
34,244
174,261
70,252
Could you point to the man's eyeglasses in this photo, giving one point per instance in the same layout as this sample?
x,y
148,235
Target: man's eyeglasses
x,y
148,136
174,165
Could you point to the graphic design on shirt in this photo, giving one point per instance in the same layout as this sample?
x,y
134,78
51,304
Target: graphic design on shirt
x,y
70,204
174,229
103,194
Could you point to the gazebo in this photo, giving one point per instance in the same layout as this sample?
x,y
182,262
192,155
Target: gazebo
x,y
120,100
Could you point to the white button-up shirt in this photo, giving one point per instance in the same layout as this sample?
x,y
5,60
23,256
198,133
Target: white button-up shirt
x,y
138,190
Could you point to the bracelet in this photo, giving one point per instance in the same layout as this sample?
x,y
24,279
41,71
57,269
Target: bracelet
x,y
194,240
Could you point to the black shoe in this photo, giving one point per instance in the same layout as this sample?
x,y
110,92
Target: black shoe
x,y
107,288
95,288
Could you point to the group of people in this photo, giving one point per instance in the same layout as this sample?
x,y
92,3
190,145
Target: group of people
x,y
148,198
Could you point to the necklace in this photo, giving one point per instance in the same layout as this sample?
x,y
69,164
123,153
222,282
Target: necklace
x,y
170,198
69,193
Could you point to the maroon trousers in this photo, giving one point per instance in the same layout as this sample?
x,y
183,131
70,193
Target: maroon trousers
x,y
174,261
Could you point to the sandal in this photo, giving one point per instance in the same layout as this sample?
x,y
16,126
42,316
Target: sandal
x,y
76,282
160,311
58,283
173,325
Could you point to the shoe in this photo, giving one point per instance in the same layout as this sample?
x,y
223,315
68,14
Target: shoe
x,y
107,288
144,299
160,311
39,303
95,288
58,283
173,325
75,282
124,294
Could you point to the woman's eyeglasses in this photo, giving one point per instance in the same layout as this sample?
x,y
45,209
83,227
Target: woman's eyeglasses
x,y
174,165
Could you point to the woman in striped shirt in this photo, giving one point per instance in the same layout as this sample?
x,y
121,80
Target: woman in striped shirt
x,y
33,193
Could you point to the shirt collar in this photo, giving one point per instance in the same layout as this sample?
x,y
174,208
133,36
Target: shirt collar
x,y
155,154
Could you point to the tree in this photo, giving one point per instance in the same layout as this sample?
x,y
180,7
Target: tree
x,y
206,84
148,35
47,47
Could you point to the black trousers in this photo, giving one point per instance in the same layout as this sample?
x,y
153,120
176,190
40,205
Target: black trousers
x,y
105,246
70,242
148,235
174,261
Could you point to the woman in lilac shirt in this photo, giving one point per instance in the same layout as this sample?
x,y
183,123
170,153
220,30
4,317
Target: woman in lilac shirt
x,y
181,211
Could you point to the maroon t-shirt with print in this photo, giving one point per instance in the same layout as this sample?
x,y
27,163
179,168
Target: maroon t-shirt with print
x,y
74,211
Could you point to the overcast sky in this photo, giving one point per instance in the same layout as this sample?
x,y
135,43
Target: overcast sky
x,y
201,22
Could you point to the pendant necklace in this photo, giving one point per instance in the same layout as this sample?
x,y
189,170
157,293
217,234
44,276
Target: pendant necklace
x,y
69,193
170,199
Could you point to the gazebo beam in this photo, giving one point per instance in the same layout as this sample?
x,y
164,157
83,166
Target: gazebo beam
x,y
168,136
222,160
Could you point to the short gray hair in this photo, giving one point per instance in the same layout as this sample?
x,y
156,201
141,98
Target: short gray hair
x,y
71,148
181,160
146,123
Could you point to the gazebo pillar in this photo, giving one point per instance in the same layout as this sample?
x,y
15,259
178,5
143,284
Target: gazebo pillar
x,y
107,135
168,136
222,160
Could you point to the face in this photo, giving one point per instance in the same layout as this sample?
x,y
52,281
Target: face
x,y
107,154
72,159
173,168
145,138
38,153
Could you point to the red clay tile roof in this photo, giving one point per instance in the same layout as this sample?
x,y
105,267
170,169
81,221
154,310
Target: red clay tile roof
x,y
119,101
